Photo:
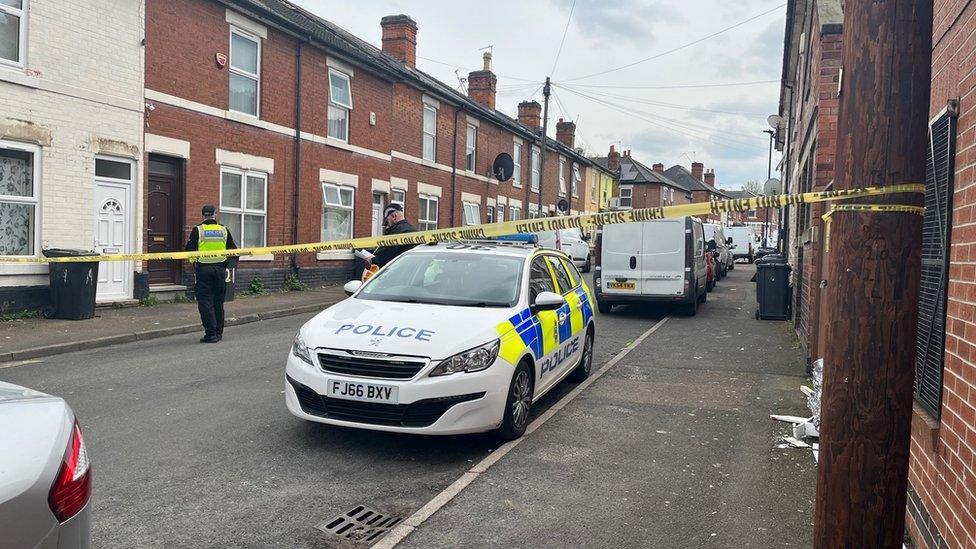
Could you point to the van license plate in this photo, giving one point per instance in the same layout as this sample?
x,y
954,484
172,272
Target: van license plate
x,y
366,392
621,285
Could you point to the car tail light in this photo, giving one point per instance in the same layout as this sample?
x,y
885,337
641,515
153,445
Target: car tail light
x,y
72,488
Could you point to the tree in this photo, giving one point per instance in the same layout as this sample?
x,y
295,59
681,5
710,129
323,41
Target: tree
x,y
753,186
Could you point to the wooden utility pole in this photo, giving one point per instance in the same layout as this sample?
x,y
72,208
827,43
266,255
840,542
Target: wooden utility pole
x,y
873,277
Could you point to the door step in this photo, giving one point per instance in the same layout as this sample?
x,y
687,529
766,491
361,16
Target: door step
x,y
168,292
117,304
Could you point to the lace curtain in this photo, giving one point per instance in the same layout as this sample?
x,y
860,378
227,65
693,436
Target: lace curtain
x,y
16,218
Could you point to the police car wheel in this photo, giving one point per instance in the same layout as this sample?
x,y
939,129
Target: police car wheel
x,y
518,405
587,267
586,362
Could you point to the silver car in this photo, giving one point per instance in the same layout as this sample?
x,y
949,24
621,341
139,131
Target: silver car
x,y
45,474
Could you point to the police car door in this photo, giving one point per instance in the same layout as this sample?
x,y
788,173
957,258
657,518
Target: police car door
x,y
569,317
541,280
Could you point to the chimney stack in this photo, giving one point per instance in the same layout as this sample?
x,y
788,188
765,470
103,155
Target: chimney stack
x,y
481,84
566,133
613,160
400,38
696,170
710,178
530,114
659,168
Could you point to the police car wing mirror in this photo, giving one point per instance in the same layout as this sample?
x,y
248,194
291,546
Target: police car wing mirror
x,y
351,286
548,301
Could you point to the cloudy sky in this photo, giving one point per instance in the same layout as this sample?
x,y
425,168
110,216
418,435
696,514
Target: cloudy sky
x,y
657,108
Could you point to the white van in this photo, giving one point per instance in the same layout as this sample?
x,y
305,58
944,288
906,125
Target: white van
x,y
651,261
724,261
572,242
743,239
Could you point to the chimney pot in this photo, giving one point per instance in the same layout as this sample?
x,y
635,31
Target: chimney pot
x,y
530,114
659,168
566,133
481,84
696,170
400,38
710,178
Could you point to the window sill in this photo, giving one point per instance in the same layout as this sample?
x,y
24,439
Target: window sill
x,y
24,269
335,256
516,185
925,429
244,117
265,257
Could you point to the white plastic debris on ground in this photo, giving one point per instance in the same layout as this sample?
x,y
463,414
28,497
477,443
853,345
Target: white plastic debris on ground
x,y
806,427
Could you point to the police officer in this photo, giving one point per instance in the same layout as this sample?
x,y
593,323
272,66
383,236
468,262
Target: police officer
x,y
394,223
211,272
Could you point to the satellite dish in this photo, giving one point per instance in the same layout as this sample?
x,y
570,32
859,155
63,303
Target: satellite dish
x,y
503,167
576,173
772,186
774,121
563,205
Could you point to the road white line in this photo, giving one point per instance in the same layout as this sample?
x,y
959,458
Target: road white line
x,y
405,528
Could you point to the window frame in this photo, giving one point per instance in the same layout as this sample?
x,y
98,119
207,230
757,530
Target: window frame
x,y
403,198
333,104
240,72
514,213
243,210
573,182
535,165
490,214
423,217
351,208
517,148
426,134
21,14
465,205
35,198
471,149
562,176
630,196
500,214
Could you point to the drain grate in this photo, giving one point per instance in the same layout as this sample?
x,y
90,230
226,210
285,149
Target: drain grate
x,y
360,524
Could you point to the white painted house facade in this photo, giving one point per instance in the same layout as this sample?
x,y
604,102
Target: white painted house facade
x,y
71,139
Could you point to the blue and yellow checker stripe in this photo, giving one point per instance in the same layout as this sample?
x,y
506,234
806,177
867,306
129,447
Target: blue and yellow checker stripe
x,y
538,332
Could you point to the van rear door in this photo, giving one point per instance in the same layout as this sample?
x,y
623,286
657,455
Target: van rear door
x,y
620,258
663,257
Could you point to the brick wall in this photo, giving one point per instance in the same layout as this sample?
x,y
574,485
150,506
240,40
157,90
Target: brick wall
x,y
71,117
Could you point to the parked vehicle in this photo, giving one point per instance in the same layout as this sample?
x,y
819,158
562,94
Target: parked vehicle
x,y
45,473
716,232
651,261
712,277
572,242
743,243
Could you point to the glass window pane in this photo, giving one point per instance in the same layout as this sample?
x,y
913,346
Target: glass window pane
x,y
113,169
9,37
243,94
336,224
230,190
16,229
429,147
430,120
432,211
338,123
243,54
345,197
19,4
16,173
339,90
255,193
233,224
253,231
331,195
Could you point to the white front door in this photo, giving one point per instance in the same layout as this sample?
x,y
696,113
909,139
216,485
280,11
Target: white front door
x,y
113,236
378,214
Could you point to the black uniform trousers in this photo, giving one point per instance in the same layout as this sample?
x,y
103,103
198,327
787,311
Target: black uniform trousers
x,y
211,288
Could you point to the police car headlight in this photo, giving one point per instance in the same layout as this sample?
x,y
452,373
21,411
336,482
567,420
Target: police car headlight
x,y
299,349
472,360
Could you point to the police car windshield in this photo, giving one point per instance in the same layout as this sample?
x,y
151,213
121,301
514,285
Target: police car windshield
x,y
460,279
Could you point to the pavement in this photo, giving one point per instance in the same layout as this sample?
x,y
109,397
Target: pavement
x,y
673,447
38,337
192,445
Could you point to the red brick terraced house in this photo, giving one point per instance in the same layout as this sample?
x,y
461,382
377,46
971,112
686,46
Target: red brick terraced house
x,y
808,101
641,186
941,508
299,132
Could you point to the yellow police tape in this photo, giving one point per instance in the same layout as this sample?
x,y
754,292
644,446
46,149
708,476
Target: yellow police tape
x,y
898,208
475,232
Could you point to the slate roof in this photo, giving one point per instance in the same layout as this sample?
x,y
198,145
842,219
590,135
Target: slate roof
x,y
633,172
739,194
680,174
304,24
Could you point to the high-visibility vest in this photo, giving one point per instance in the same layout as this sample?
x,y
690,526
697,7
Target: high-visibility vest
x,y
211,237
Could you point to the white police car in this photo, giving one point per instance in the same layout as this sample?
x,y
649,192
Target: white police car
x,y
449,338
